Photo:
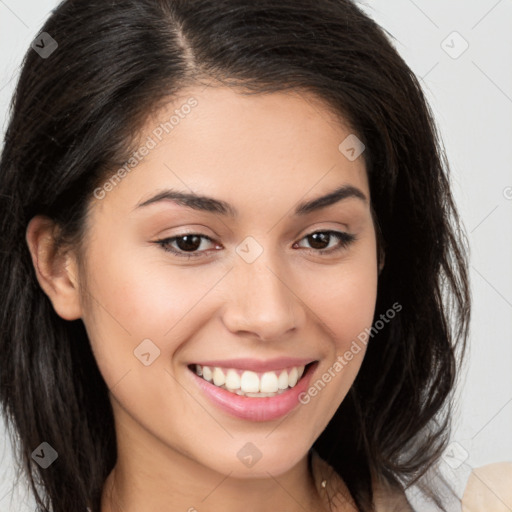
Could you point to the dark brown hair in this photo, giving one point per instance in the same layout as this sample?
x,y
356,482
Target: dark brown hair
x,y
74,117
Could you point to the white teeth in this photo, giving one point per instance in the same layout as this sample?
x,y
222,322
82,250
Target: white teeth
x,y
207,373
269,382
293,377
282,381
232,380
218,377
249,383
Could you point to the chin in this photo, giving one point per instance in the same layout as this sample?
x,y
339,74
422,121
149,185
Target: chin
x,y
258,460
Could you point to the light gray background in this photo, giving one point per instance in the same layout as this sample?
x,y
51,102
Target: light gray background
x,y
471,95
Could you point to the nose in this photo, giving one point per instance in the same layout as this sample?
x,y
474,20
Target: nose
x,y
261,301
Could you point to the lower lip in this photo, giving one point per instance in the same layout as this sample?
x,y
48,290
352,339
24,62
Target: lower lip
x,y
256,409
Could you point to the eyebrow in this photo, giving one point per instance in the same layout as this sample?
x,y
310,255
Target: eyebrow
x,y
212,205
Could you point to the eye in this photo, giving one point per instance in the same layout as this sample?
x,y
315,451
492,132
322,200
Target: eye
x,y
187,244
320,241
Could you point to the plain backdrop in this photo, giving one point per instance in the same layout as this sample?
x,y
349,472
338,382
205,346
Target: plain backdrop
x,y
462,51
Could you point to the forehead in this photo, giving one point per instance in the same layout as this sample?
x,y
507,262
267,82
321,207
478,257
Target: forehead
x,y
246,149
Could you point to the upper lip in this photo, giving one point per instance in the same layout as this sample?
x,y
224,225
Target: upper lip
x,y
257,365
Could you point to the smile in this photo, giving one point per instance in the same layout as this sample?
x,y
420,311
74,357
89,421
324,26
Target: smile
x,y
257,391
249,383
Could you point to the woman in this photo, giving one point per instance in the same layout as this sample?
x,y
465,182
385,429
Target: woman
x,y
177,177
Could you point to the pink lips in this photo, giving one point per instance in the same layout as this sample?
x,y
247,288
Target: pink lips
x,y
256,409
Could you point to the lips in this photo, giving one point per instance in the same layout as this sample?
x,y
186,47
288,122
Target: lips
x,y
254,405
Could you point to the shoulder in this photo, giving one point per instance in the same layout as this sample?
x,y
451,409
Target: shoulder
x,y
489,488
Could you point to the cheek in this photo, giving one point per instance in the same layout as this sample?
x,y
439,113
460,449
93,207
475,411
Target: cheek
x,y
347,309
343,297
343,301
136,295
348,306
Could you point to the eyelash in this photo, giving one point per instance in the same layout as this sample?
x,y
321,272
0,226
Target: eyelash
x,y
345,239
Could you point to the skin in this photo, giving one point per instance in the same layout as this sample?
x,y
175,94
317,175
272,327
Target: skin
x,y
262,154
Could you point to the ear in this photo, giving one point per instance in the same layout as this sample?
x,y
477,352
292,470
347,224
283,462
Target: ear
x,y
382,259
56,271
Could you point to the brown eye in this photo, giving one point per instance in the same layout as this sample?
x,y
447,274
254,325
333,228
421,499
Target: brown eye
x,y
184,245
188,242
320,241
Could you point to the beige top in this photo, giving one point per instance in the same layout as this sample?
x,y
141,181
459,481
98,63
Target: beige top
x,y
489,488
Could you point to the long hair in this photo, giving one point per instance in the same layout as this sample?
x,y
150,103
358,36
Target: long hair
x,y
75,116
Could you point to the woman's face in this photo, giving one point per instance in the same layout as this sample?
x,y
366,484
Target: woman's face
x,y
250,295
